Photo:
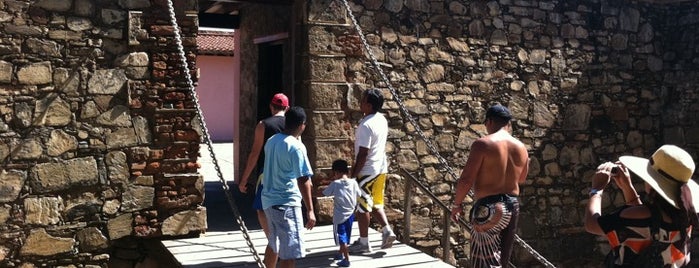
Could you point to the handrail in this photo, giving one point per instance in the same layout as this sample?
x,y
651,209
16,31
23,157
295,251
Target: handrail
x,y
446,234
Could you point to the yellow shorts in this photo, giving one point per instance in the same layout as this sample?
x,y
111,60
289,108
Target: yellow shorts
x,y
374,186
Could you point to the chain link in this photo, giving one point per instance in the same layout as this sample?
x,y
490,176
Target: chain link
x,y
207,138
430,145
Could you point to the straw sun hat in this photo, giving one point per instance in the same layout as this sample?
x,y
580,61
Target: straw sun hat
x,y
666,171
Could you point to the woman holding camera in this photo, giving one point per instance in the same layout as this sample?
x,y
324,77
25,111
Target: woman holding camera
x,y
668,210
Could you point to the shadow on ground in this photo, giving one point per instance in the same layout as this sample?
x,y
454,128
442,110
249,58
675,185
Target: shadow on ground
x,y
218,210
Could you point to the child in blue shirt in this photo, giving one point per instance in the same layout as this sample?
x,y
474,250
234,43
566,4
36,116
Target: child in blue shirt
x,y
345,191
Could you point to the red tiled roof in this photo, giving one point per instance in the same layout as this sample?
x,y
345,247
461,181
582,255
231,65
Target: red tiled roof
x,y
215,43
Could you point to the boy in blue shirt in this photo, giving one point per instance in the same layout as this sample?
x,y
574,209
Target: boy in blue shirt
x,y
345,192
286,180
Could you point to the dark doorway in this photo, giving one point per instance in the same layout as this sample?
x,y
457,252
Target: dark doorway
x,y
270,76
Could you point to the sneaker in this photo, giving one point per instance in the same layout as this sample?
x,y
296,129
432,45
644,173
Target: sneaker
x,y
387,238
343,263
338,256
357,247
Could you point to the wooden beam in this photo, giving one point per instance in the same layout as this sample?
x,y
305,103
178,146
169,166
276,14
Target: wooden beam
x,y
219,20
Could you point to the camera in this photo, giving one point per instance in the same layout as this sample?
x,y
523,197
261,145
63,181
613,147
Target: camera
x,y
615,170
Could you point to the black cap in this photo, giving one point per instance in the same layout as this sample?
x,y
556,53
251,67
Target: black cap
x,y
498,111
294,117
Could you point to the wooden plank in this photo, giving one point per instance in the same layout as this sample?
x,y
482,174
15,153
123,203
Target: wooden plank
x,y
229,249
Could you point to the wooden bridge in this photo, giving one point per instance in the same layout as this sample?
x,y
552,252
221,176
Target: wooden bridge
x,y
223,245
228,249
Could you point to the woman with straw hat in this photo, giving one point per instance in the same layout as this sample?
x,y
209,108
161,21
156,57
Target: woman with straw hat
x,y
669,191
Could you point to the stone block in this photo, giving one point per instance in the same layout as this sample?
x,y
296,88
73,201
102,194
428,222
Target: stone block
x,y
185,222
54,5
629,19
6,72
322,40
327,11
49,177
107,82
67,81
52,111
28,149
135,59
11,183
329,125
324,209
326,151
327,69
433,73
111,207
577,117
84,8
91,239
35,74
117,166
137,198
60,142
65,35
327,96
89,110
416,106
441,87
118,116
112,16
445,142
40,243
43,210
123,137
543,116
134,4
4,216
408,160
120,226
82,171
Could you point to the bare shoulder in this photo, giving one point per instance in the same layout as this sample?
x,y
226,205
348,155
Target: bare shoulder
x,y
635,212
482,143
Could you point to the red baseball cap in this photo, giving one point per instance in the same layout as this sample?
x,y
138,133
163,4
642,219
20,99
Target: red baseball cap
x,y
280,99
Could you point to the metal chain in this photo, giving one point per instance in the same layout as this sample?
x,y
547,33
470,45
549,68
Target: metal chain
x,y
207,138
430,145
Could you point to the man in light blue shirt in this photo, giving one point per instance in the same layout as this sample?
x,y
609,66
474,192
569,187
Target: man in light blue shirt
x,y
287,182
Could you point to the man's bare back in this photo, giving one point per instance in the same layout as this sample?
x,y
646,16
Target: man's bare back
x,y
496,165
503,166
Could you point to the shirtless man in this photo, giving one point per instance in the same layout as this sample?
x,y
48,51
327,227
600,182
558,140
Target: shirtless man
x,y
496,166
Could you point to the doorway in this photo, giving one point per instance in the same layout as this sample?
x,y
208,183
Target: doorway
x,y
270,75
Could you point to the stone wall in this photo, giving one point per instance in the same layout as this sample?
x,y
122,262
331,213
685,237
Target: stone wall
x,y
587,81
96,138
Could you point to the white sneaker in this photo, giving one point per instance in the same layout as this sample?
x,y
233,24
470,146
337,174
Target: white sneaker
x,y
357,247
387,238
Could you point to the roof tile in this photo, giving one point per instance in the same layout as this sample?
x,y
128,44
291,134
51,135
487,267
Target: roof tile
x,y
215,43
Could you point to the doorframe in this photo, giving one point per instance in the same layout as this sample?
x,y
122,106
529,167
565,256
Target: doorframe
x,y
269,39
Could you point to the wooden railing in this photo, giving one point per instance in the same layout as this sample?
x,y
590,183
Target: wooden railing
x,y
407,208
446,219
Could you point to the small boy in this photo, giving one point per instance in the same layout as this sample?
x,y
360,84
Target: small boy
x,y
345,192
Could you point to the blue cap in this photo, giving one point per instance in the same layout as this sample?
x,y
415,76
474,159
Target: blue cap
x,y
498,111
